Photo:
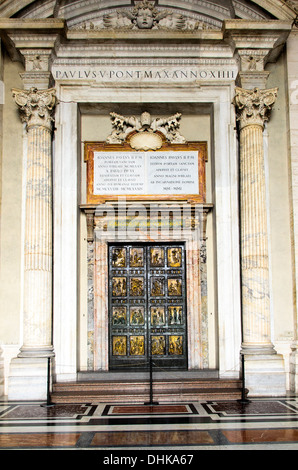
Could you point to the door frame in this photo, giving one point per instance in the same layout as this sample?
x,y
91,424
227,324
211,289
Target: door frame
x,y
197,321
67,161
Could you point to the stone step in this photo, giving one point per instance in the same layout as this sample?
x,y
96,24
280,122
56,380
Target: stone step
x,y
144,375
137,398
144,385
139,391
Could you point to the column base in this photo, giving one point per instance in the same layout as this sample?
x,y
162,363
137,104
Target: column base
x,y
36,352
265,375
28,378
294,369
1,374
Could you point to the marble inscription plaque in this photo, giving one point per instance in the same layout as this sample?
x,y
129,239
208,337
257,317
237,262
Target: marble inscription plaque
x,y
146,173
119,173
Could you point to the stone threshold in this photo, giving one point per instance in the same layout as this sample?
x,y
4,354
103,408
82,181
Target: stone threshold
x,y
145,375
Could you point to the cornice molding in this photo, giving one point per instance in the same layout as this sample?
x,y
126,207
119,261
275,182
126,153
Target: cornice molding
x,y
237,30
46,24
278,8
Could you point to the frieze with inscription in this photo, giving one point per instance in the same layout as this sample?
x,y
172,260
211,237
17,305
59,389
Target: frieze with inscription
x,y
141,74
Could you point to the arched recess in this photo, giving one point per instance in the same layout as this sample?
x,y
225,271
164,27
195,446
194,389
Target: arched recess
x,y
212,9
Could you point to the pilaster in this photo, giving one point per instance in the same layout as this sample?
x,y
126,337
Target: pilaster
x,y
252,73
262,364
33,42
292,66
255,43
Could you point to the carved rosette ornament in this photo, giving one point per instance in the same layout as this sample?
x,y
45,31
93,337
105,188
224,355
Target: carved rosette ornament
x,y
254,106
36,110
36,106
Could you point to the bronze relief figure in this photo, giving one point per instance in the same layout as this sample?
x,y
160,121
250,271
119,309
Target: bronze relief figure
x,y
119,345
136,258
157,257
158,345
137,346
174,257
119,258
119,286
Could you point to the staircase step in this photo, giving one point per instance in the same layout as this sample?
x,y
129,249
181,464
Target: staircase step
x,y
141,398
175,391
142,385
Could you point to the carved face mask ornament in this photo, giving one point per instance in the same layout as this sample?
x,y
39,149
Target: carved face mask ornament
x,y
144,19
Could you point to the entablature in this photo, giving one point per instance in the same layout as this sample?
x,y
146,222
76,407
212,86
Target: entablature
x,y
242,45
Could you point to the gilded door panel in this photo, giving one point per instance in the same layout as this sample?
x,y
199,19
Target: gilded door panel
x,y
119,258
157,317
119,346
158,345
137,345
137,286
118,315
147,306
157,256
136,259
174,257
119,286
157,286
137,316
176,345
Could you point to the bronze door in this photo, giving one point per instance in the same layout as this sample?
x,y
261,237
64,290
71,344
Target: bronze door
x,y
147,306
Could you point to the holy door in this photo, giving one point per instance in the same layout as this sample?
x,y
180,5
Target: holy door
x,y
147,306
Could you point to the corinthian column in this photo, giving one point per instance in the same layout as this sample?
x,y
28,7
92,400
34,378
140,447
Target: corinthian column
x,y
36,109
253,110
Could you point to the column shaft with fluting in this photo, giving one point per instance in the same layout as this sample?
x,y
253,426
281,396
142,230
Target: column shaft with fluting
x,y
36,108
253,107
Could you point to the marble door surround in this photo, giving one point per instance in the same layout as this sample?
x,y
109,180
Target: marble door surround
x,y
196,283
242,44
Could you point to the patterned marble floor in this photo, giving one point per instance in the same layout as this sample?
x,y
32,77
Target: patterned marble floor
x,y
263,423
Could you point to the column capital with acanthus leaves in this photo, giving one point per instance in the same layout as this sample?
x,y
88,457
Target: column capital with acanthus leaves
x,y
253,107
36,106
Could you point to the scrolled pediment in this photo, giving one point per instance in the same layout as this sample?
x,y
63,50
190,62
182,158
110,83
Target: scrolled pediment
x,y
145,15
78,11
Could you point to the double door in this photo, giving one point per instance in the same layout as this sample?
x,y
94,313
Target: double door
x,y
147,306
